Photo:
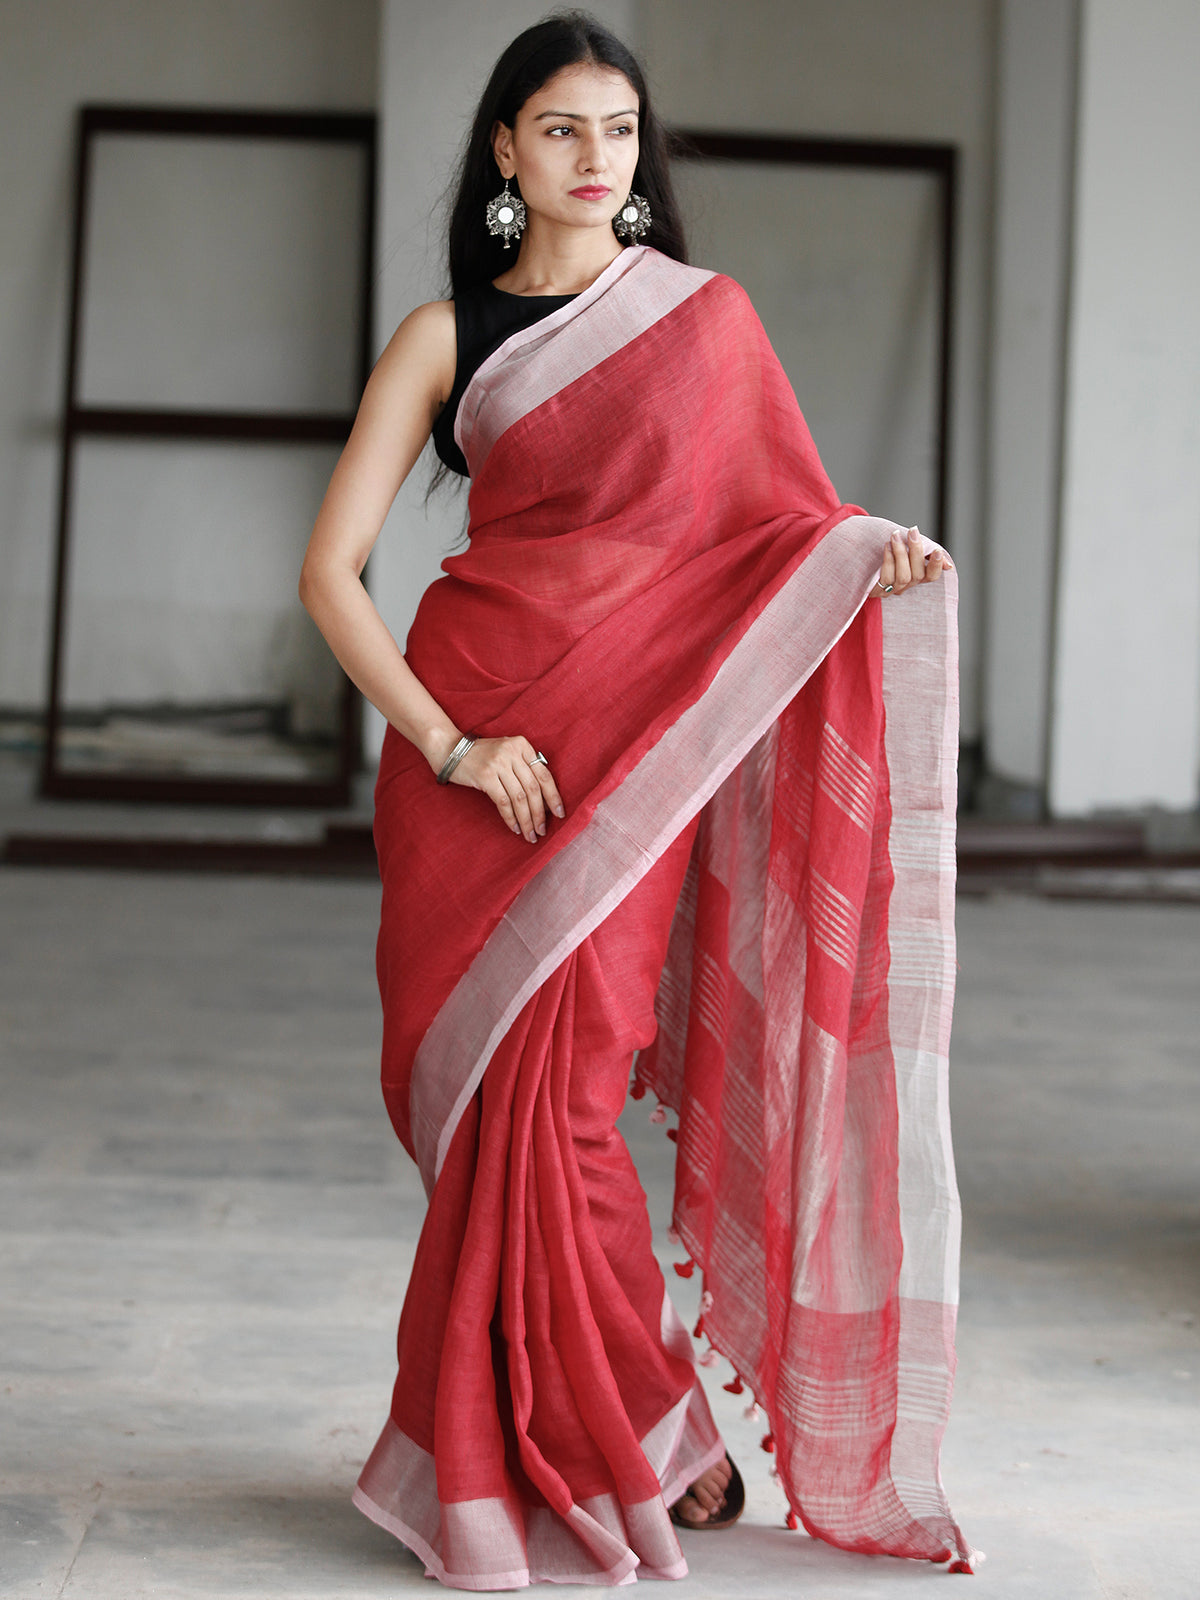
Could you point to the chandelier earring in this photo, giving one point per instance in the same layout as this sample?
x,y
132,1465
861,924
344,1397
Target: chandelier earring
x,y
633,219
506,215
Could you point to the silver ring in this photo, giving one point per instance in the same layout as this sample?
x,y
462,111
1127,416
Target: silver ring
x,y
533,760
884,588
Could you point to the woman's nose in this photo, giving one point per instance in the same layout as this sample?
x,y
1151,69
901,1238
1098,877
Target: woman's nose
x,y
592,156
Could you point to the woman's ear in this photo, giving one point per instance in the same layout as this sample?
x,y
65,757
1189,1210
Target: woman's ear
x,y
502,141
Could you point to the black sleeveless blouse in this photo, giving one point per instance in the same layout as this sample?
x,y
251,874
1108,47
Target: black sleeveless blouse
x,y
484,317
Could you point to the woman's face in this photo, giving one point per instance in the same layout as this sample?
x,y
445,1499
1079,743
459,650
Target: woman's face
x,y
575,146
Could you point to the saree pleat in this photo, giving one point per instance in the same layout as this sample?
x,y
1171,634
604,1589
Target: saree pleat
x,y
753,888
536,1370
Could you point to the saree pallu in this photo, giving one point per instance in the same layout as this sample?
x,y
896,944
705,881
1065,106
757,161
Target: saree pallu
x,y
752,888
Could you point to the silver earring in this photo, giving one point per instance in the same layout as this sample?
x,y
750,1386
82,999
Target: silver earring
x,y
506,215
633,219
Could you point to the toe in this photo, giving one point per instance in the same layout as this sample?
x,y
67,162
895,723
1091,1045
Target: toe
x,y
690,1510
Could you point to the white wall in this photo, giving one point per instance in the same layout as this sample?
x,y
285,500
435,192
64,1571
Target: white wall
x,y
1126,710
920,70
183,557
55,54
184,560
434,62
1035,126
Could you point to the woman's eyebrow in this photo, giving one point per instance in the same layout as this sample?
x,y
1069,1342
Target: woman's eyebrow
x,y
576,117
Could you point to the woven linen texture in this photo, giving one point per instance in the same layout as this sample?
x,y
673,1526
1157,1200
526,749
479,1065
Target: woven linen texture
x,y
663,592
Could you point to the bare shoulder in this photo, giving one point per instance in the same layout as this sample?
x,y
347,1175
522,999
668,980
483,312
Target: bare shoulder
x,y
423,351
434,321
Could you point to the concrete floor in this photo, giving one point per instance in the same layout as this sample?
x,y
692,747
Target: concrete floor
x,y
205,1226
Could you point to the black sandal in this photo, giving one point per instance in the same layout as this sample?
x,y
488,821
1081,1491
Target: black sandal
x,y
735,1504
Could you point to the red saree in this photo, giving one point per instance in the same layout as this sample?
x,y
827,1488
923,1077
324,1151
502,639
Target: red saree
x,y
663,592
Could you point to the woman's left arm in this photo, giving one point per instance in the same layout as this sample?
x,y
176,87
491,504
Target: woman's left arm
x,y
905,564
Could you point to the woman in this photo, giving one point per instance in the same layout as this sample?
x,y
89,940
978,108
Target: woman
x,y
651,702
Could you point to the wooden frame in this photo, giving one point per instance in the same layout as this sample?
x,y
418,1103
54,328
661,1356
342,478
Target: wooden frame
x,y
156,422
940,161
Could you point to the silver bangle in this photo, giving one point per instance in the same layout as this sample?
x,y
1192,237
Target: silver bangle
x,y
455,756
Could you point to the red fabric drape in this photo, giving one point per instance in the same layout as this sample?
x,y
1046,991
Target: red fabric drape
x,y
663,592
533,1360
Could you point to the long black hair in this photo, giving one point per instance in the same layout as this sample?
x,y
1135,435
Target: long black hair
x,y
563,39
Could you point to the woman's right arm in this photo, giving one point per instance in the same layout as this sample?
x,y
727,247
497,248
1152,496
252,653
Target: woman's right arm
x,y
408,387
406,390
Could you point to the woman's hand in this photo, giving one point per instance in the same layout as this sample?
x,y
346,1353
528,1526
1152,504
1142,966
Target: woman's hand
x,y
905,564
518,783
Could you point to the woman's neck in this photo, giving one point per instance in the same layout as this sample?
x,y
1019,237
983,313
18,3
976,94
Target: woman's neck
x,y
562,262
